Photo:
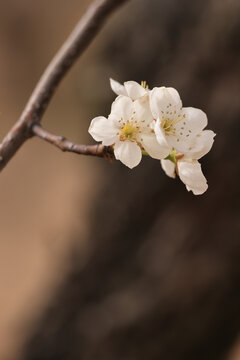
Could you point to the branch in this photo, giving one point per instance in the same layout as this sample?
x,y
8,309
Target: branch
x,y
65,145
85,31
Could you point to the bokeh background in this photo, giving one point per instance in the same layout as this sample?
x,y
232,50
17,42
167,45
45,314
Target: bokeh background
x,y
96,260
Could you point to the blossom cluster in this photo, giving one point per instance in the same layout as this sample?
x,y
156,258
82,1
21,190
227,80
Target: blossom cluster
x,y
153,122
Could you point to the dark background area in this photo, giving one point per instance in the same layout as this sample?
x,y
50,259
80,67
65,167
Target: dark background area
x,y
160,277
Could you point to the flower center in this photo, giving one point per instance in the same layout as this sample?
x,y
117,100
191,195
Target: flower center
x,y
167,125
129,131
170,118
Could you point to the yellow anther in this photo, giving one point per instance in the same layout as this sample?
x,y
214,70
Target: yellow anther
x,y
129,131
144,84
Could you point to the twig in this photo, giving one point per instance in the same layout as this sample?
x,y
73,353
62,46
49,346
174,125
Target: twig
x,y
87,28
65,145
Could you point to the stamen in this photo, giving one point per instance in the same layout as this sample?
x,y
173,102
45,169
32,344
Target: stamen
x,y
129,131
144,84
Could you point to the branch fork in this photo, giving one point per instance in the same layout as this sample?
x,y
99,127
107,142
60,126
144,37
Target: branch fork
x,y
28,124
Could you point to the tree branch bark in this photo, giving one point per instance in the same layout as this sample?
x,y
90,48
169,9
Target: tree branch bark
x,y
85,31
65,145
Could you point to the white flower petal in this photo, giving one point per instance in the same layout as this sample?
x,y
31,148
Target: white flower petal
x,y
142,110
180,144
196,120
103,129
188,129
122,108
161,97
109,141
118,88
169,168
153,148
134,90
129,153
188,124
161,138
174,96
190,173
202,144
116,120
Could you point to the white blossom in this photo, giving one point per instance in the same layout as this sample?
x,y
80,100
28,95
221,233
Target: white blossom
x,y
154,121
128,129
189,172
180,130
177,127
169,168
187,166
130,88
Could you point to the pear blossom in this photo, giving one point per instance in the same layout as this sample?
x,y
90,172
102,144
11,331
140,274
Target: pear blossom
x,y
154,121
169,167
187,166
180,130
130,88
177,127
189,171
128,129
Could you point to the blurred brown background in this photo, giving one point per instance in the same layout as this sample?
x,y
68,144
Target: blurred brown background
x,y
97,261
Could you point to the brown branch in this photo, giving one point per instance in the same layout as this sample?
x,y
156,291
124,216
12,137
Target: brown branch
x,y
65,145
87,28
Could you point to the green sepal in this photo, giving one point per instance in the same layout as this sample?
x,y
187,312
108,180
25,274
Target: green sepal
x,y
172,157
